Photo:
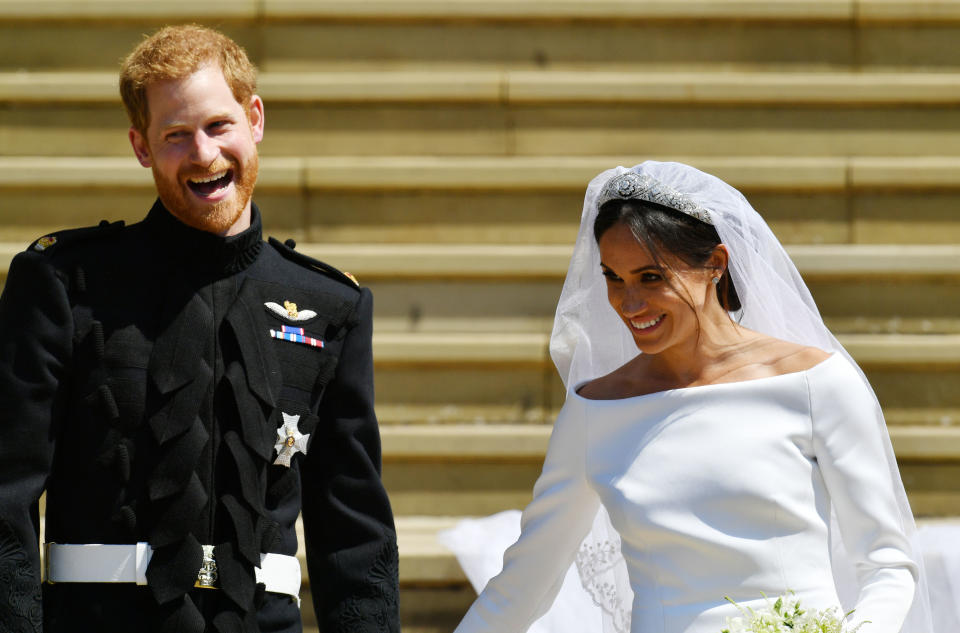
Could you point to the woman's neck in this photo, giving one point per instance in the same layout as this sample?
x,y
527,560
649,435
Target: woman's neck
x,y
718,342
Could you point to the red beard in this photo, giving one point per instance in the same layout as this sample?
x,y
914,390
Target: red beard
x,y
216,217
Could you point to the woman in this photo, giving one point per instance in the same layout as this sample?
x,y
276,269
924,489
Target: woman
x,y
740,453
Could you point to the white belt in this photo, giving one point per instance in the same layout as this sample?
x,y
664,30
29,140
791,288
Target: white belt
x,y
128,563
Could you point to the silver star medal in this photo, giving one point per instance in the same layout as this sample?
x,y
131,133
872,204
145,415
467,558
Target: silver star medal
x,y
289,440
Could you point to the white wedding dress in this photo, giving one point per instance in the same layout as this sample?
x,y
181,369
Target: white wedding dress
x,y
716,490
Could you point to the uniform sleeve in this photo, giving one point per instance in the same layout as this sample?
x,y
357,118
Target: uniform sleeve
x,y
849,440
350,537
35,346
552,528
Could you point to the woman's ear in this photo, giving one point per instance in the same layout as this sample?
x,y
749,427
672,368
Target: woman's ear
x,y
719,260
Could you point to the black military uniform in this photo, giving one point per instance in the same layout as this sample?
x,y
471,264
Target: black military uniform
x,y
145,371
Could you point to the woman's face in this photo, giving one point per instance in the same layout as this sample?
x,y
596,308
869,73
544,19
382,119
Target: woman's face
x,y
647,297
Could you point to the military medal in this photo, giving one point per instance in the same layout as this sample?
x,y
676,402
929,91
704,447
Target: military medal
x,y
295,335
289,440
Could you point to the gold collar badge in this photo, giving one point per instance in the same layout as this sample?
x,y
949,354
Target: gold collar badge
x,y
45,242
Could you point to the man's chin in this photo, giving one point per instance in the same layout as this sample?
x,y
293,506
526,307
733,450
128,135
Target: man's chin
x,y
217,218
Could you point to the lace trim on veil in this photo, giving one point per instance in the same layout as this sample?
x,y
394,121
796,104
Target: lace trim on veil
x,y
596,563
603,574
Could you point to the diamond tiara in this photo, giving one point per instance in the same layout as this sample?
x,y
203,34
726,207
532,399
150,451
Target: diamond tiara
x,y
633,186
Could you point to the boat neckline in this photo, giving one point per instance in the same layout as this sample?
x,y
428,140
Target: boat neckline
x,y
679,390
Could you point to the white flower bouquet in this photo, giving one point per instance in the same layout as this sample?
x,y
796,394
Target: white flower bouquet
x,y
786,615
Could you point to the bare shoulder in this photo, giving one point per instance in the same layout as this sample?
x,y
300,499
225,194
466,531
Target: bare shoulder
x,y
785,357
631,379
602,388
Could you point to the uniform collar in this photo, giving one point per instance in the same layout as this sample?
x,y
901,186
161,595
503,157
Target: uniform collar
x,y
198,248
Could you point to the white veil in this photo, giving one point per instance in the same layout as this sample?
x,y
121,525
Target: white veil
x,y
589,340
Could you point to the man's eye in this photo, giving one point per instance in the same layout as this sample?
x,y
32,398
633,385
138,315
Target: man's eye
x,y
177,135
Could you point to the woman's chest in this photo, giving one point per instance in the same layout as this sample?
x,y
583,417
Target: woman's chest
x,y
698,454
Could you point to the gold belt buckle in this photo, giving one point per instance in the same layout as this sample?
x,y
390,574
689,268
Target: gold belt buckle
x,y
207,574
46,562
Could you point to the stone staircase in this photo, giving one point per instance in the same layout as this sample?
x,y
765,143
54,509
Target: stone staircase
x,y
438,149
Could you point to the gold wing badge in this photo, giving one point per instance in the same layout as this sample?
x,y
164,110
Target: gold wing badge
x,y
289,311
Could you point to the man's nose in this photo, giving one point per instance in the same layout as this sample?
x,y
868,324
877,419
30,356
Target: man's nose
x,y
205,150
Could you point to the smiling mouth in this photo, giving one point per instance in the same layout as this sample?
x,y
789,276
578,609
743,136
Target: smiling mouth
x,y
644,326
205,186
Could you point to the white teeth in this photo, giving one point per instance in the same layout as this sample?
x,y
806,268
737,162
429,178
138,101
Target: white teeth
x,y
211,178
643,325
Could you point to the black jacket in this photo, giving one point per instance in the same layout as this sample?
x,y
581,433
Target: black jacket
x,y
141,387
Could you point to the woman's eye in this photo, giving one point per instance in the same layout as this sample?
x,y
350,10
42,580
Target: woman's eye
x,y
609,274
650,277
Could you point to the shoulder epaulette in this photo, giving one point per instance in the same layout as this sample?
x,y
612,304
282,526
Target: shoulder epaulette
x,y
53,242
287,250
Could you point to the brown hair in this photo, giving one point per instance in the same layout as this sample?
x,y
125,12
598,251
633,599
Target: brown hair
x,y
175,52
659,228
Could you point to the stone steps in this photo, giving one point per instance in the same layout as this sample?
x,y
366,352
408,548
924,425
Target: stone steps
x,y
821,10
504,173
472,84
530,262
590,112
290,33
499,199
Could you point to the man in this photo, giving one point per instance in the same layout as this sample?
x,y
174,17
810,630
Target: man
x,y
182,390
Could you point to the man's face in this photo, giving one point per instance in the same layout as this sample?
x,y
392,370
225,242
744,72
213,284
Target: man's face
x,y
202,147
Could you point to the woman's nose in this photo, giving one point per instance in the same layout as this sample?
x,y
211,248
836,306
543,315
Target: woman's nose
x,y
633,303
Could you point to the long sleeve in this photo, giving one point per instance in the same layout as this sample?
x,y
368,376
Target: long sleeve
x,y
35,346
552,527
349,529
849,438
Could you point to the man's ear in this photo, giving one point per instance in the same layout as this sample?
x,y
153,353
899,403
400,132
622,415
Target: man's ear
x,y
255,116
140,148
